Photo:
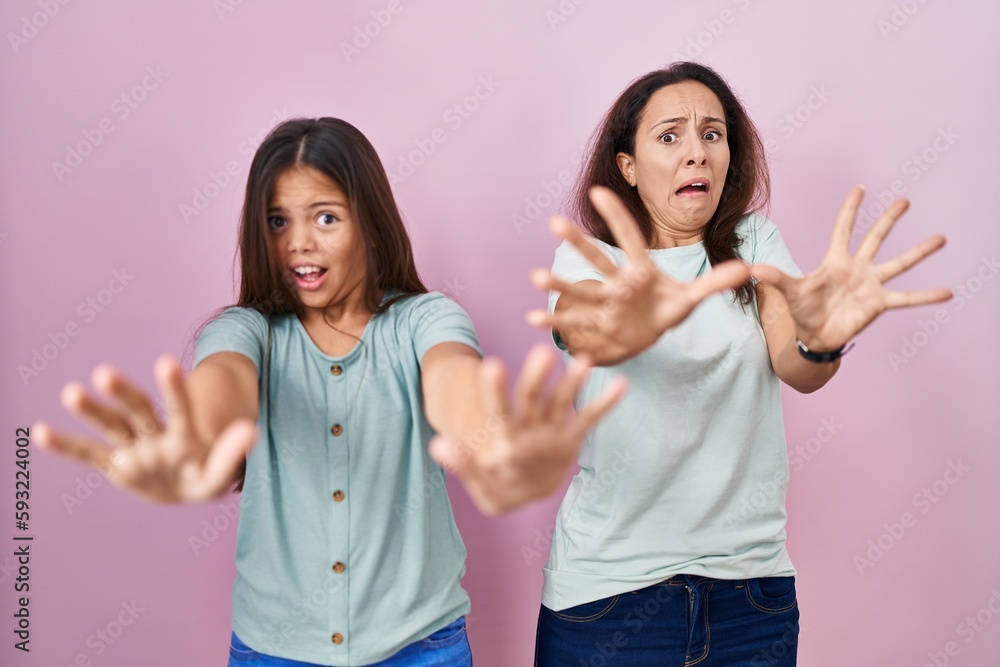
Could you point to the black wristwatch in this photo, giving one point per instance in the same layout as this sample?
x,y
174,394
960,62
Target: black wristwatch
x,y
822,357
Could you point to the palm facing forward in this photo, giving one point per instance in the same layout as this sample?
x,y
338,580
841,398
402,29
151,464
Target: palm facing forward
x,y
637,302
846,293
165,462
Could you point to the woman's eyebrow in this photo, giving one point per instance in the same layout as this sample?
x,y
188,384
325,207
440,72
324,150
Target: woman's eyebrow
x,y
680,120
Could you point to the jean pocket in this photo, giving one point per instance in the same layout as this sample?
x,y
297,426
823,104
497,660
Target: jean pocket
x,y
590,611
449,635
240,652
773,595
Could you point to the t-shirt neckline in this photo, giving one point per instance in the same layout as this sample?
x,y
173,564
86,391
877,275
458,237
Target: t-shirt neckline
x,y
356,350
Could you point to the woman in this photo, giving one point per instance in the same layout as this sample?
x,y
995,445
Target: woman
x,y
669,547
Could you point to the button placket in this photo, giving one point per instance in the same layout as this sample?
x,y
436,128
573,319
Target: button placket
x,y
338,459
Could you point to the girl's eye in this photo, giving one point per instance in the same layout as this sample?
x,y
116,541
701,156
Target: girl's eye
x,y
668,137
326,219
274,222
713,135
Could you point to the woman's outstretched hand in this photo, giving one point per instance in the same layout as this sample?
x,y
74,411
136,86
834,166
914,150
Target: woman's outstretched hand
x,y
636,303
163,462
522,451
845,294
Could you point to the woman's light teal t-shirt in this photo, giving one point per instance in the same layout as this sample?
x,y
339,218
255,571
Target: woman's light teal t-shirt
x,y
347,549
688,472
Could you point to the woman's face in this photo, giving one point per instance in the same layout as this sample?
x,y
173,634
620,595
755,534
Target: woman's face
x,y
315,237
681,160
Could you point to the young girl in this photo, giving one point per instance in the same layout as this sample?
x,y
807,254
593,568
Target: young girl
x,y
347,550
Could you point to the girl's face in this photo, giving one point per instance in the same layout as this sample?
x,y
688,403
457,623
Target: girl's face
x,y
315,237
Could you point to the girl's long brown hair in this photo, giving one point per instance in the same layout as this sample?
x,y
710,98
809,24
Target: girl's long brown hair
x,y
342,153
338,150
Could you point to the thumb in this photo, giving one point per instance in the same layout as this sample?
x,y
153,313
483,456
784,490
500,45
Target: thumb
x,y
226,456
772,276
452,457
725,275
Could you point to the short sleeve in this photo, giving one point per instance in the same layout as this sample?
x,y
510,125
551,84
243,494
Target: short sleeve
x,y
762,244
242,330
436,319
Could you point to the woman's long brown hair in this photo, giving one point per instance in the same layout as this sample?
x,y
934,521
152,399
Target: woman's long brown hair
x,y
747,186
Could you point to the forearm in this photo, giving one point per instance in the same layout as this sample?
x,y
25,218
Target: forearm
x,y
222,389
801,374
454,401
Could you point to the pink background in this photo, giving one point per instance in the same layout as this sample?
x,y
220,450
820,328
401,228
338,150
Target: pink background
x,y
886,81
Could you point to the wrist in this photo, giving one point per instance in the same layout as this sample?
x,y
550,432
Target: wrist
x,y
816,342
820,355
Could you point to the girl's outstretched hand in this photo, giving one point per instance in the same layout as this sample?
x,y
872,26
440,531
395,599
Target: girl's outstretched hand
x,y
845,294
523,450
636,303
163,462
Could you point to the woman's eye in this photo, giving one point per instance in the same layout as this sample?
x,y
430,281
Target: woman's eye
x,y
713,135
326,218
275,222
668,137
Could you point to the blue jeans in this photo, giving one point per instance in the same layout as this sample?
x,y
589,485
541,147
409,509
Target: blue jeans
x,y
681,622
448,647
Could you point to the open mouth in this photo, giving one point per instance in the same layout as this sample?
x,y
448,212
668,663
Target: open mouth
x,y
309,277
693,188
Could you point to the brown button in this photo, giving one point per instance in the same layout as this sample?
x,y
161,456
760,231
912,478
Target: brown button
x,y
338,495
337,638
336,369
337,429
338,567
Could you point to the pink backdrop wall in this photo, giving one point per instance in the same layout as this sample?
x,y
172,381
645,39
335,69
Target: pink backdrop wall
x,y
894,94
